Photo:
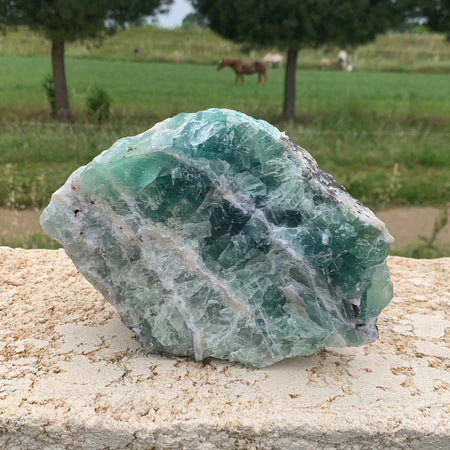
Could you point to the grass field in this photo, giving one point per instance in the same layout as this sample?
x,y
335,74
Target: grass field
x,y
385,136
159,89
383,131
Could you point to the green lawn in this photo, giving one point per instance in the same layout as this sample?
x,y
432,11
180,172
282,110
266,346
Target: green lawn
x,y
385,136
159,89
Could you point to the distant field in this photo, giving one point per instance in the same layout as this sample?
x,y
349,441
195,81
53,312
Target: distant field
x,y
385,136
428,53
153,91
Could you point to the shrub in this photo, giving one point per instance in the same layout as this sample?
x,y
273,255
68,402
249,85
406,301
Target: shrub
x,y
97,104
49,86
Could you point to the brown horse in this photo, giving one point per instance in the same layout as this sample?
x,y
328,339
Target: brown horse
x,y
242,68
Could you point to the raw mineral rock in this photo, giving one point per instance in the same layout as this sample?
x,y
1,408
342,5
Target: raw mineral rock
x,y
214,235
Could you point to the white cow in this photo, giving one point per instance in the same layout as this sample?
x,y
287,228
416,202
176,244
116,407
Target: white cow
x,y
343,62
273,60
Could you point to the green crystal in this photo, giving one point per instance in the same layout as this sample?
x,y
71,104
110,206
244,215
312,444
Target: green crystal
x,y
214,235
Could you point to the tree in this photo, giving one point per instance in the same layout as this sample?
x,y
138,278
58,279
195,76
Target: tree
x,y
64,21
295,24
193,21
435,14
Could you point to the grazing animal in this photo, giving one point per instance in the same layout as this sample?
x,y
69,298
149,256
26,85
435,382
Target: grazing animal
x,y
242,68
273,60
343,62
342,59
330,63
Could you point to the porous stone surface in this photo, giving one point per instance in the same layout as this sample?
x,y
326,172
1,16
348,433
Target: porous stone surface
x,y
215,235
73,376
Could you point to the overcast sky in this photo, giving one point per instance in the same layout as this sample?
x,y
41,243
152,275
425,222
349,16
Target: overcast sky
x,y
178,10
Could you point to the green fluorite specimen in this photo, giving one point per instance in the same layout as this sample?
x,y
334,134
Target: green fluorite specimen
x,y
214,235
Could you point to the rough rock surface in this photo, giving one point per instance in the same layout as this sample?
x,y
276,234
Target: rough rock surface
x,y
215,235
72,375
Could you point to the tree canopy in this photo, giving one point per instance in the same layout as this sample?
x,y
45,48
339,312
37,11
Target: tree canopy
x,y
295,24
193,21
82,19
433,13
63,21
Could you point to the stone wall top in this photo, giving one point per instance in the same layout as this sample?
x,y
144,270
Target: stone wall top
x,y
71,375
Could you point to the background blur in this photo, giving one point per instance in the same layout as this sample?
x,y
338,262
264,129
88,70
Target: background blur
x,y
382,129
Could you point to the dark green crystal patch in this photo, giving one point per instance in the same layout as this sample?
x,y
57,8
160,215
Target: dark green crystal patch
x,y
214,235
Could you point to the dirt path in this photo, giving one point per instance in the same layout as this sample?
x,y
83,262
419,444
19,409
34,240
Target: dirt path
x,y
16,224
405,224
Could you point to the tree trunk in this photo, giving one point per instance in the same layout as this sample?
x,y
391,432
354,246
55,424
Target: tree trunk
x,y
62,107
289,85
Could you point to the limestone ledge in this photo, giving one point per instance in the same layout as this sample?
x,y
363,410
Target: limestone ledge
x,y
72,376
